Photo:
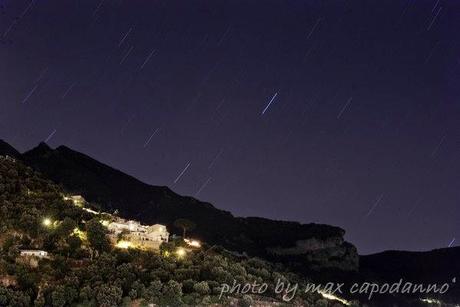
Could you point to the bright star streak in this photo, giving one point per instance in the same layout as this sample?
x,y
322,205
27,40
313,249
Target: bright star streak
x,y
16,20
124,37
374,206
126,55
30,94
434,18
68,90
180,175
203,186
345,107
268,105
148,58
314,27
215,159
153,134
50,136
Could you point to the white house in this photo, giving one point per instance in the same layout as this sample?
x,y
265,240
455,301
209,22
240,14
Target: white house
x,y
137,235
34,253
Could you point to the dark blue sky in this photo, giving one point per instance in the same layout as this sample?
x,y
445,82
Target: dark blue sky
x,y
363,131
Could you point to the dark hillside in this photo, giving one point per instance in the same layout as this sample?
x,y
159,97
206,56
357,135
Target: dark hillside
x,y
77,264
112,189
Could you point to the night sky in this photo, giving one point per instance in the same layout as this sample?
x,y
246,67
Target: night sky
x,y
338,112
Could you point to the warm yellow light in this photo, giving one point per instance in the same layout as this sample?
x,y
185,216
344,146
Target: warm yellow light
x,y
193,243
90,211
105,223
124,244
46,222
334,298
80,234
431,301
180,252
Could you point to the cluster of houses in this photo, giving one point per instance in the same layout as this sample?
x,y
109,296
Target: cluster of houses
x,y
129,233
122,233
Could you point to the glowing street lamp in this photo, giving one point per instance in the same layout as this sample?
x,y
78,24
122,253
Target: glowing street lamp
x,y
46,222
193,243
123,244
332,297
81,234
180,252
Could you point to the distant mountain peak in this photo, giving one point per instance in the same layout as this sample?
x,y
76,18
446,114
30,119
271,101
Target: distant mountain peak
x,y
41,148
43,145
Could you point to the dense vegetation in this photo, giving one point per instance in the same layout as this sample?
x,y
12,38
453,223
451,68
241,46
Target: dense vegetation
x,y
85,270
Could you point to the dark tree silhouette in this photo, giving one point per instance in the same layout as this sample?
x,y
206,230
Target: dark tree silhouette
x,y
185,225
97,236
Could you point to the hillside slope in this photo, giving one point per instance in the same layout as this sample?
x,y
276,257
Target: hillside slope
x,y
112,189
21,187
79,266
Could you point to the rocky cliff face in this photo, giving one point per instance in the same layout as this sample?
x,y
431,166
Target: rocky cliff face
x,y
307,246
316,254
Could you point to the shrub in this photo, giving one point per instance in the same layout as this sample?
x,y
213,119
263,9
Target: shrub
x,y
245,301
201,288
